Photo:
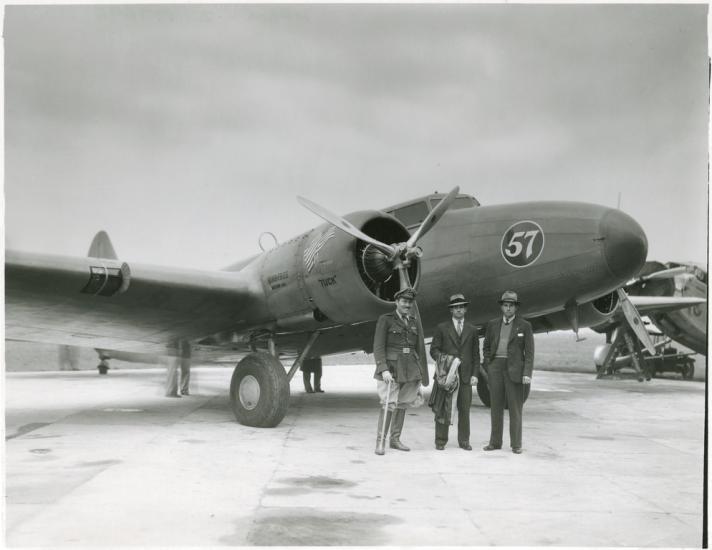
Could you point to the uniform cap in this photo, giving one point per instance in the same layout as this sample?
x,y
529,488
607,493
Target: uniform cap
x,y
457,300
406,293
509,296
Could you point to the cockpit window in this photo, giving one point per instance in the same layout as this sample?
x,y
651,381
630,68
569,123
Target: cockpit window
x,y
412,214
459,202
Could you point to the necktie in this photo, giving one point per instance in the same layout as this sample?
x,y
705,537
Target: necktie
x,y
459,328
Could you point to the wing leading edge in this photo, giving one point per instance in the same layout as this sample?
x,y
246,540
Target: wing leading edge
x,y
105,303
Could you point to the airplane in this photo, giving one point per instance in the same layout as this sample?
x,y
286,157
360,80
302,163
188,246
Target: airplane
x,y
687,326
321,292
673,297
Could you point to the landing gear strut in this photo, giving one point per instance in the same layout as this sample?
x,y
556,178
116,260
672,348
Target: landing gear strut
x,y
625,340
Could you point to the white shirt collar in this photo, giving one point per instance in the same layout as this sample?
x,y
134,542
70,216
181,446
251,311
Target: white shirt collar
x,y
504,320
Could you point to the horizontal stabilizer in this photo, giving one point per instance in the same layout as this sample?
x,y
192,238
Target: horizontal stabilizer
x,y
655,304
101,247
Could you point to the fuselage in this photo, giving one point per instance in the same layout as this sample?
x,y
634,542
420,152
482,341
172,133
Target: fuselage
x,y
553,254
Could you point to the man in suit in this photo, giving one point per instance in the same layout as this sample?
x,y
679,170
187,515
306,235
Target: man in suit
x,y
458,338
508,359
399,349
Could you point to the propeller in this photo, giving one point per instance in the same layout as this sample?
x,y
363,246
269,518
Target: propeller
x,y
398,255
635,321
347,227
669,273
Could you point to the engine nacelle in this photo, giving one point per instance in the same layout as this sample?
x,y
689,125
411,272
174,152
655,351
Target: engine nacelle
x,y
325,276
594,314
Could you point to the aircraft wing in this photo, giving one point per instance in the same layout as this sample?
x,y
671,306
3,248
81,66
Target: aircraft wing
x,y
659,304
105,303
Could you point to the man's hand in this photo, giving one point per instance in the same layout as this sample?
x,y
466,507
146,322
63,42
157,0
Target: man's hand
x,y
526,380
473,380
387,376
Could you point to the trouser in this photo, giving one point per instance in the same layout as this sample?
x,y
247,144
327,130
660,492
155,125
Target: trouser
x,y
172,376
464,402
306,377
401,397
504,390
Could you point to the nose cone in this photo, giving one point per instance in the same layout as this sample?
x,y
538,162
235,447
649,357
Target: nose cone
x,y
624,244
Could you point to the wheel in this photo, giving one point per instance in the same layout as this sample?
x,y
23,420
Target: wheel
x,y
688,371
259,391
103,367
484,393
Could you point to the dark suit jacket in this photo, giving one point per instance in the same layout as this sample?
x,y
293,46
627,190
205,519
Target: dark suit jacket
x,y
520,347
389,339
465,346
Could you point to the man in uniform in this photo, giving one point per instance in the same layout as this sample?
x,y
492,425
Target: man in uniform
x,y
399,349
457,338
508,357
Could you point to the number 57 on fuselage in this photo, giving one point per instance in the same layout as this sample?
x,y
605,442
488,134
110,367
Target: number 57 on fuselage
x,y
321,292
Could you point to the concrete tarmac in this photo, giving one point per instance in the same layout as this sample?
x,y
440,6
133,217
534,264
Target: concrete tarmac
x,y
108,461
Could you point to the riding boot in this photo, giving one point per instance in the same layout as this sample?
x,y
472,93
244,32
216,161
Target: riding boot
x,y
317,382
396,429
382,432
306,376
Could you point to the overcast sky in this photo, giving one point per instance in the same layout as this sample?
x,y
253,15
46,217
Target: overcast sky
x,y
185,131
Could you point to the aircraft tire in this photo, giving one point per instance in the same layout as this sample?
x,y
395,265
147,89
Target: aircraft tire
x,y
259,391
484,393
688,371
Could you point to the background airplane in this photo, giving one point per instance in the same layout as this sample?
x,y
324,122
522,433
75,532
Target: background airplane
x,y
320,292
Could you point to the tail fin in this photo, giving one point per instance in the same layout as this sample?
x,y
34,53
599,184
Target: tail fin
x,y
101,247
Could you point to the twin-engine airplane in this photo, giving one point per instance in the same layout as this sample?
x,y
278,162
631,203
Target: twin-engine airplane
x,y
321,292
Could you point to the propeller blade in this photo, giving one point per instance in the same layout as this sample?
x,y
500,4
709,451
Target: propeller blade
x,y
669,273
666,273
345,226
433,218
636,323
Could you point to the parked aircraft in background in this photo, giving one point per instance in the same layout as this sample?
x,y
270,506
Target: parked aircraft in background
x,y
682,319
321,292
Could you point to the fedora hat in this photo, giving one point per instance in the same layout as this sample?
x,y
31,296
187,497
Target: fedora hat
x,y
457,300
509,296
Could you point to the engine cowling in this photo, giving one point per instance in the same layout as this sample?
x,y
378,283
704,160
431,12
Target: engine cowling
x,y
594,314
325,276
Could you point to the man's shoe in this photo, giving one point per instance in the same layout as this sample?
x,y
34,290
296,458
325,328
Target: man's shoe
x,y
490,448
517,450
466,446
440,447
396,444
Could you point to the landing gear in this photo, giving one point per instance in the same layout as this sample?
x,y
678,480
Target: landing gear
x,y
103,366
688,370
259,391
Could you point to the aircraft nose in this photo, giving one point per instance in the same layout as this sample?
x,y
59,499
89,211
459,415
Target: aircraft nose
x,y
625,245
